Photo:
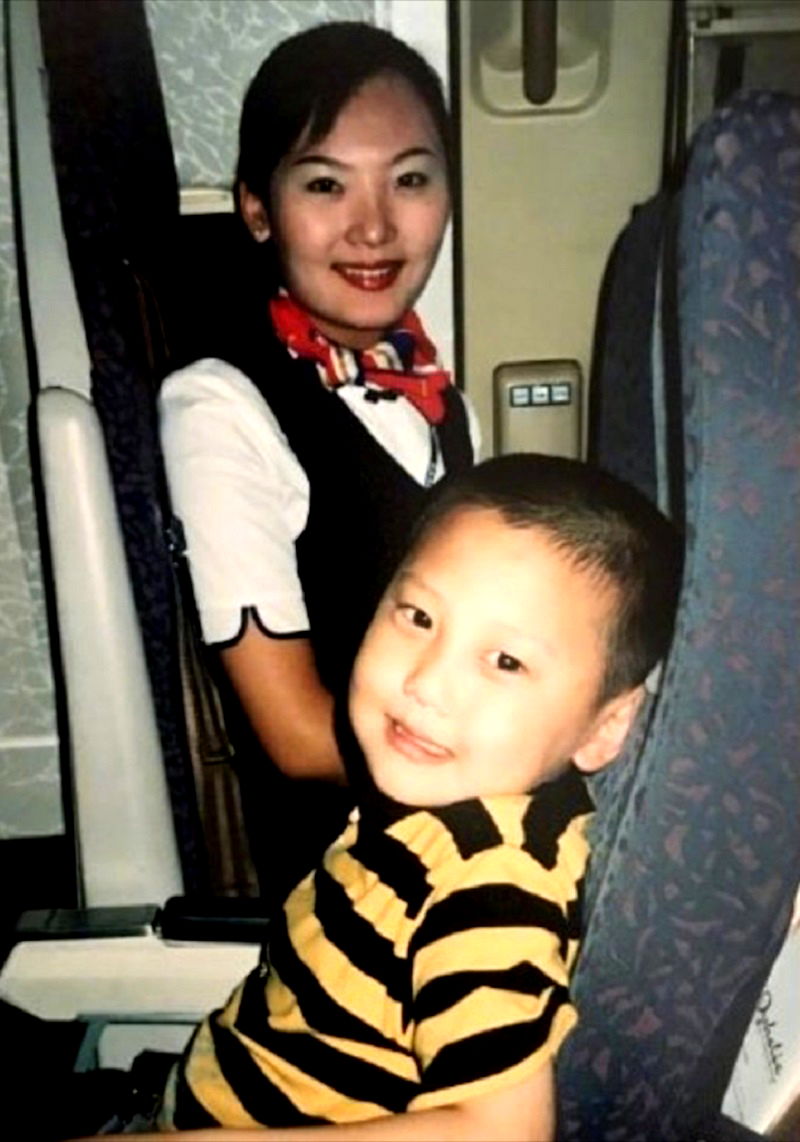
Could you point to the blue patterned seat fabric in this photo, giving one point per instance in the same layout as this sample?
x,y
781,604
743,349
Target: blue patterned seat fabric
x,y
697,853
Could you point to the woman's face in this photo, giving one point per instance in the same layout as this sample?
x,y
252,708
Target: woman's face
x,y
358,217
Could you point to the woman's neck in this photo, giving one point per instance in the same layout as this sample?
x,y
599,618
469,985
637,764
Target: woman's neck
x,y
356,339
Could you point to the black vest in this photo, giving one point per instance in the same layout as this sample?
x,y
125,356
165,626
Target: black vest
x,y
362,504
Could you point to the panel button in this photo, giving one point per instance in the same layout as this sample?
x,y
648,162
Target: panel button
x,y
540,394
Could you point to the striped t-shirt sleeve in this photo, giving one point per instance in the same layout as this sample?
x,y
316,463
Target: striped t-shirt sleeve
x,y
490,976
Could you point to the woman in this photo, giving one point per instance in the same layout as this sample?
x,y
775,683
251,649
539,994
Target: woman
x,y
299,455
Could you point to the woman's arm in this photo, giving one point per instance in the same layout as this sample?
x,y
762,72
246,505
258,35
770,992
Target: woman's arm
x,y
524,1112
243,500
291,712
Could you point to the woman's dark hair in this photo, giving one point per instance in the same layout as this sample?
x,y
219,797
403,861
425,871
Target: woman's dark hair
x,y
305,82
600,524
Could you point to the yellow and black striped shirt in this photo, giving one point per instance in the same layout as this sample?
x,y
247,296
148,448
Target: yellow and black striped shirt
x,y
424,962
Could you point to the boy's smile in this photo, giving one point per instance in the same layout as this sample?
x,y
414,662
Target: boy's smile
x,y
480,672
415,746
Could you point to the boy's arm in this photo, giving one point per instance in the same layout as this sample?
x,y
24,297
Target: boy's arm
x,y
524,1112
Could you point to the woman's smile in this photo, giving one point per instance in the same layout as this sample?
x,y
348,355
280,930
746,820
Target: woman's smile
x,y
370,277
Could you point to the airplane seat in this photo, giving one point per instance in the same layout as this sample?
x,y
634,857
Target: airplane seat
x,y
697,850
118,195
621,422
143,276
120,963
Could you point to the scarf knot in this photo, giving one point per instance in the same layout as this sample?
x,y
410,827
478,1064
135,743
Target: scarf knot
x,y
403,363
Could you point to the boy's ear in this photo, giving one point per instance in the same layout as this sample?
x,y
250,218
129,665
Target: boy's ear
x,y
254,214
609,731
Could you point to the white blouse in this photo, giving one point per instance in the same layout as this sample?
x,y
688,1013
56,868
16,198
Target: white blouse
x,y
242,496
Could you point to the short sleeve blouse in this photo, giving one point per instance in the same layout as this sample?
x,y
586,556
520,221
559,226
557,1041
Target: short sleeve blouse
x,y
242,495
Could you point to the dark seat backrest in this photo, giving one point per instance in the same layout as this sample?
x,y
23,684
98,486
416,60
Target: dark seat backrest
x,y
621,418
119,204
697,849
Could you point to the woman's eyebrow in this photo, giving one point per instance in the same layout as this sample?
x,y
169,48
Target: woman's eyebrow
x,y
412,152
328,161
318,160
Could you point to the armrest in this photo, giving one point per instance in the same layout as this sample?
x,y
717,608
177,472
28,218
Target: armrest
x,y
239,920
85,923
226,920
180,961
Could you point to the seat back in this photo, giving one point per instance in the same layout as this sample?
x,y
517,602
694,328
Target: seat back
x,y
143,277
697,846
119,208
621,416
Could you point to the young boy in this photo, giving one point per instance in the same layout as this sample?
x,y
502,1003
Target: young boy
x,y
416,984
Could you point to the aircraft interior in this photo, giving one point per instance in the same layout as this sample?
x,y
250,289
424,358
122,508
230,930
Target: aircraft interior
x,y
621,283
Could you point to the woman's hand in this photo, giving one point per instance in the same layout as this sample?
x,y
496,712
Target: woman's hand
x,y
289,709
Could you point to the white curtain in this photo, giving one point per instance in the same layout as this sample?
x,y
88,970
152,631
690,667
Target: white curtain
x,y
30,797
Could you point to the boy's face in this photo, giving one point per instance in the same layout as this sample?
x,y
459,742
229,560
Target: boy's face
x,y
480,672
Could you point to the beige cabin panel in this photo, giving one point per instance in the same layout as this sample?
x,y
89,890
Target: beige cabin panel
x,y
547,189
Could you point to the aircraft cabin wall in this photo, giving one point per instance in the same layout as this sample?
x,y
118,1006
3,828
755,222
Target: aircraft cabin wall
x,y
550,176
30,800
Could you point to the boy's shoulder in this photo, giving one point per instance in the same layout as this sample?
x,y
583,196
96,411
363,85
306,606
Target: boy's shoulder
x,y
538,826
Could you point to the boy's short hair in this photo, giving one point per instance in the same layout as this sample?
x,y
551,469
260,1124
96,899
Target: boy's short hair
x,y
603,525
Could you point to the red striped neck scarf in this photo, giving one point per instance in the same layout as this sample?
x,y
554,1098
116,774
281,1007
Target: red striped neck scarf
x,y
404,363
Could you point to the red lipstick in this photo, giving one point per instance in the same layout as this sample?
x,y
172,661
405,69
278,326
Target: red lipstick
x,y
372,277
